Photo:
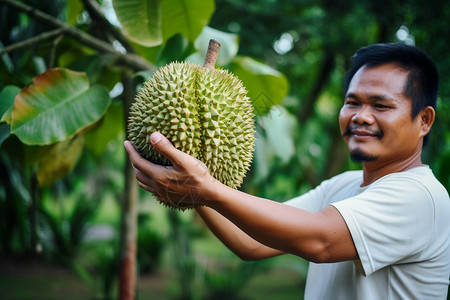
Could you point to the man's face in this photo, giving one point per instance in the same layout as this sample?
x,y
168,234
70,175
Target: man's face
x,y
375,119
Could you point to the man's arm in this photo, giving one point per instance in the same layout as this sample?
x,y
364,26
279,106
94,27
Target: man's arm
x,y
318,237
234,238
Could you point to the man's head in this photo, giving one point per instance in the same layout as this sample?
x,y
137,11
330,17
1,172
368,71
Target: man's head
x,y
422,85
391,93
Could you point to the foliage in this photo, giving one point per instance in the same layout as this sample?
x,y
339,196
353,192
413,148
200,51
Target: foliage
x,y
61,103
65,230
162,19
56,106
14,203
290,54
226,281
150,245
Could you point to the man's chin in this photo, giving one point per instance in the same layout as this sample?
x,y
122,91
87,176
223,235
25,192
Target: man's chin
x,y
359,156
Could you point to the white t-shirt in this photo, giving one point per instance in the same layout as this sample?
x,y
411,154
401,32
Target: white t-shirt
x,y
400,225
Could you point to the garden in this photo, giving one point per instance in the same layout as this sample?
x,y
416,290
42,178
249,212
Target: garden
x,y
73,222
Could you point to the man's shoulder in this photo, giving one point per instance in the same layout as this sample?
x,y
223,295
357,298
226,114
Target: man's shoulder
x,y
416,186
421,177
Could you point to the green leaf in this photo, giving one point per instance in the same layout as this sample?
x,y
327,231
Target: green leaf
x,y
149,53
59,104
152,22
228,49
174,49
109,128
4,133
279,127
74,9
98,69
142,76
58,160
186,17
263,156
7,96
140,20
266,86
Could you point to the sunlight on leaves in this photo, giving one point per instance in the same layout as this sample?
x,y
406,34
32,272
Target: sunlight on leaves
x,y
57,105
152,22
266,86
140,20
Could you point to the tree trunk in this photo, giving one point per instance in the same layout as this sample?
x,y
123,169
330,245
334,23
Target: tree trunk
x,y
128,244
307,107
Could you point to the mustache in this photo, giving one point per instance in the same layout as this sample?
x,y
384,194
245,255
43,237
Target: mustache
x,y
349,131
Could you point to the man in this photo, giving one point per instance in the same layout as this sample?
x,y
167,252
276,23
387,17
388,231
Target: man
x,y
379,233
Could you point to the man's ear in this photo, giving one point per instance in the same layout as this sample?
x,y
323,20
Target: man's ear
x,y
427,116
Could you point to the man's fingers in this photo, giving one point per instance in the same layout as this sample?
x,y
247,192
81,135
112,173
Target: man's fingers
x,y
170,184
146,187
141,177
134,156
165,148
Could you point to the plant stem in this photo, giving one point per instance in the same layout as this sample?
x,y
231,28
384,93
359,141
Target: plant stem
x,y
211,54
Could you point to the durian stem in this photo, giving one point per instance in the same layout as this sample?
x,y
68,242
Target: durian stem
x,y
211,54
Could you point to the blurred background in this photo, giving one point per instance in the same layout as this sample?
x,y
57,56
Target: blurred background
x,y
70,211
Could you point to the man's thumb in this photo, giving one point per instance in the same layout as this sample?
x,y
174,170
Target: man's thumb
x,y
155,138
164,146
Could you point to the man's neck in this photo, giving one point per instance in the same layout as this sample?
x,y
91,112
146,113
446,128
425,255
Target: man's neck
x,y
375,170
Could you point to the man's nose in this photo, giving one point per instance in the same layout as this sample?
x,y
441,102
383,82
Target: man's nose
x,y
364,115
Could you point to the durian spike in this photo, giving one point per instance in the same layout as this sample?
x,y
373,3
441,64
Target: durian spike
x,y
211,54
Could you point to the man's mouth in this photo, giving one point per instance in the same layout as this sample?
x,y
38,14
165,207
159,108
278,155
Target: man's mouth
x,y
362,132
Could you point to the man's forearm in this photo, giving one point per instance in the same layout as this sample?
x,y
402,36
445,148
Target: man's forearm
x,y
319,237
233,237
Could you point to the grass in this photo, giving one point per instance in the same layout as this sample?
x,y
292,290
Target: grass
x,y
279,284
38,280
34,280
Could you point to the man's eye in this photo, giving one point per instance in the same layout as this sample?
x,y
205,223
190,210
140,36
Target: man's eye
x,y
351,103
381,106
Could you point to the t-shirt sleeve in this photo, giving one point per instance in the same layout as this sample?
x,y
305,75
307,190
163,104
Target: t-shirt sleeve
x,y
330,190
389,222
314,200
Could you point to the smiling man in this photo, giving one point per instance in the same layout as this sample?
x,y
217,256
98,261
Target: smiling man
x,y
379,233
378,122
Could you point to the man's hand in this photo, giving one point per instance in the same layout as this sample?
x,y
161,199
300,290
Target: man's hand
x,y
182,184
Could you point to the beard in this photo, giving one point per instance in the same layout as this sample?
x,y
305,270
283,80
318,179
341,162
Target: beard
x,y
359,156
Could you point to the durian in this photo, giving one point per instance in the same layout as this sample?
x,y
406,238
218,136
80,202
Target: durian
x,y
203,111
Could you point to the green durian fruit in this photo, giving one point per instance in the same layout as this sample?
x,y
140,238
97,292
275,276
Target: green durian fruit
x,y
204,112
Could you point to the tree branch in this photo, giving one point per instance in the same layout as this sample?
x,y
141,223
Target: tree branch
x,y
337,154
96,13
32,41
324,74
133,61
51,60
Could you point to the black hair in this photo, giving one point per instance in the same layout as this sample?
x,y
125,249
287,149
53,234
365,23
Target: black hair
x,y
422,84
